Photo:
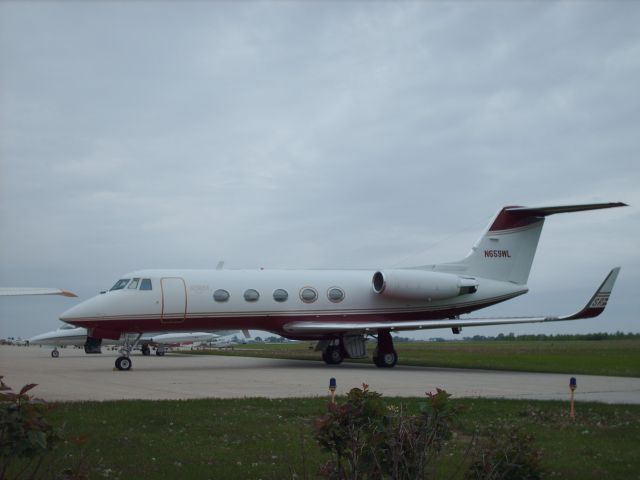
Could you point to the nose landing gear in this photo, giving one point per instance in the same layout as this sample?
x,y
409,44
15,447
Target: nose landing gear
x,y
124,362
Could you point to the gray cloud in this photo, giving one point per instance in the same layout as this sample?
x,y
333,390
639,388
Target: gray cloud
x,y
320,134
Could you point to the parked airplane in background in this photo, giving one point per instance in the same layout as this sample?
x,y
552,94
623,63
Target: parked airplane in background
x,y
226,341
70,335
20,342
22,291
339,308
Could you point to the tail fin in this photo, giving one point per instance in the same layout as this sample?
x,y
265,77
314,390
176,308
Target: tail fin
x,y
506,250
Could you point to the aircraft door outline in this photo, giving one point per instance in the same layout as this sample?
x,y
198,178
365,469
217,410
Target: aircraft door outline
x,y
174,300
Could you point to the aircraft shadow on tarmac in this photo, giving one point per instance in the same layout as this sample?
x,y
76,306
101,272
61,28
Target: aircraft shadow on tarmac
x,y
261,363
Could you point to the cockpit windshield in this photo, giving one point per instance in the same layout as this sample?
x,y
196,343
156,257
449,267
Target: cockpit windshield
x,y
132,284
120,284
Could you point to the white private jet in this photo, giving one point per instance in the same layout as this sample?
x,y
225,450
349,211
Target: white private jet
x,y
339,308
77,336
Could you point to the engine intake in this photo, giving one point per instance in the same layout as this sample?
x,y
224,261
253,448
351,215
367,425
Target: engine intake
x,y
421,285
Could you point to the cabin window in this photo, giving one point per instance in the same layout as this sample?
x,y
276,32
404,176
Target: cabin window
x,y
145,284
251,295
221,295
120,284
280,295
335,294
308,295
134,283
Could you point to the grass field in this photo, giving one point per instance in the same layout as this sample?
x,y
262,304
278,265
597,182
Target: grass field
x,y
273,439
604,357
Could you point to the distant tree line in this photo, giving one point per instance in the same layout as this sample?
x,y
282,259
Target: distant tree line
x,y
272,339
544,337
501,338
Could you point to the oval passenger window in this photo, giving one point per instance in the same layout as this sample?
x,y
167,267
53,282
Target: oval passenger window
x,y
221,295
308,295
251,295
280,295
335,294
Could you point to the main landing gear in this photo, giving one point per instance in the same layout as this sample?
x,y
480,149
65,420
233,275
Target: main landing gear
x,y
55,353
384,356
124,362
333,355
146,350
353,346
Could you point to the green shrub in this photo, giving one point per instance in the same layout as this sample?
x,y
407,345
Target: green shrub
x,y
367,439
353,432
25,432
413,442
505,454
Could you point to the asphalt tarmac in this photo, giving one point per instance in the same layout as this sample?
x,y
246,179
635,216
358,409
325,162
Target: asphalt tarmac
x,y
75,376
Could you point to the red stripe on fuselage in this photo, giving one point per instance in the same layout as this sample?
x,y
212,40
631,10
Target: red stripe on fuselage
x,y
273,323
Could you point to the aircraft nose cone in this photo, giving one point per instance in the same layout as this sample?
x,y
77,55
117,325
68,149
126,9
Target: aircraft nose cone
x,y
82,310
37,338
90,308
69,314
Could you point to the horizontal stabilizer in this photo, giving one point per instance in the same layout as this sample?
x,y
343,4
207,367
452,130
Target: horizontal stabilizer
x,y
546,211
593,308
518,217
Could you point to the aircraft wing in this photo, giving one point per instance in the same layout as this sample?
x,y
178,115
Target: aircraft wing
x,y
593,308
14,291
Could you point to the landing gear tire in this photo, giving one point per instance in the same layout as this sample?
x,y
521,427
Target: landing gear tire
x,y
332,356
160,352
385,355
386,360
123,363
55,353
146,350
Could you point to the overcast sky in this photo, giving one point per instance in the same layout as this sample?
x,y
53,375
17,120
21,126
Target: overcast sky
x,y
315,134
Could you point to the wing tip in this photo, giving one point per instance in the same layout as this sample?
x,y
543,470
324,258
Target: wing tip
x,y
598,302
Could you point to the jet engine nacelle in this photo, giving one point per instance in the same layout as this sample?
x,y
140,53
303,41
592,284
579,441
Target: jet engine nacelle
x,y
421,285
